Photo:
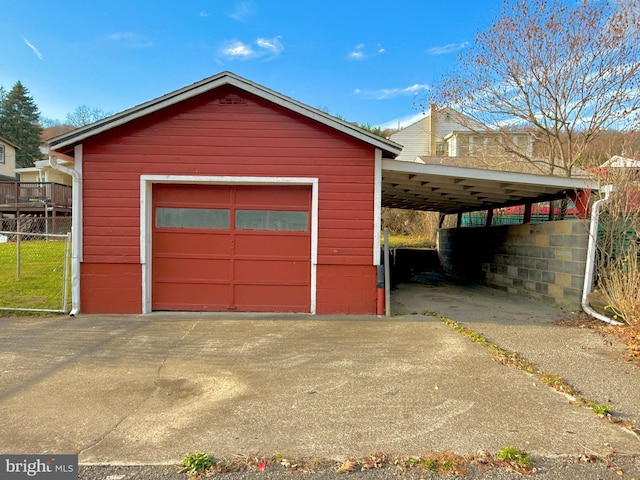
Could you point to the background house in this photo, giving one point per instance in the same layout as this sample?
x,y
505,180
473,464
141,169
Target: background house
x,y
42,172
448,133
618,161
37,192
7,159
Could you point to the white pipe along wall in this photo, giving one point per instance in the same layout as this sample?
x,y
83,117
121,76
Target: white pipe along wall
x,y
591,256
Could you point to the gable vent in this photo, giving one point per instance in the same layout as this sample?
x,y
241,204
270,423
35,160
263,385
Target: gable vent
x,y
232,100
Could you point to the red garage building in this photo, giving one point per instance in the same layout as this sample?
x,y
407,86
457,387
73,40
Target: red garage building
x,y
226,196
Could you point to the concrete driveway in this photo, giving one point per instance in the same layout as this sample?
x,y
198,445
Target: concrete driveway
x,y
147,389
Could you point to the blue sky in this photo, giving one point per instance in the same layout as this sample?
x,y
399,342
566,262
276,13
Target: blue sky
x,y
367,62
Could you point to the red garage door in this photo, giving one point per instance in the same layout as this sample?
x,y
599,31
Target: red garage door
x,y
220,248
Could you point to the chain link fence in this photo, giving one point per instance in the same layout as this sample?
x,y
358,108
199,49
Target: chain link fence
x,y
34,268
32,224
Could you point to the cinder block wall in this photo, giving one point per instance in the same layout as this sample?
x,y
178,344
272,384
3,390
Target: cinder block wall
x,y
543,261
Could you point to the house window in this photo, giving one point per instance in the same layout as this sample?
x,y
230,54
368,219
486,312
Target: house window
x,y
473,143
1,153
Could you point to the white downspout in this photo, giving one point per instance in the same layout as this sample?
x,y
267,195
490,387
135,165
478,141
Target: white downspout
x,y
591,257
76,232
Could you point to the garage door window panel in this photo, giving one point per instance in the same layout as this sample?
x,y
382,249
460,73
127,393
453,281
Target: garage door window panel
x,y
272,220
205,218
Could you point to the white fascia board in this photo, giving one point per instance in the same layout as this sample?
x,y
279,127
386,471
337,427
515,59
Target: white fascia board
x,y
319,116
491,175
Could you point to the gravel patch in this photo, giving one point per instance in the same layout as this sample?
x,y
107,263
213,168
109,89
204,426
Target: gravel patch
x,y
626,467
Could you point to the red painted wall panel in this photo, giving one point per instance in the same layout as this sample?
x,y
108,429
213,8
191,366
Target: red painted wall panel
x,y
346,289
208,136
110,288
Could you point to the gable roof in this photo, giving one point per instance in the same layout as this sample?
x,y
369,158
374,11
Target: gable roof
x,y
621,162
225,78
4,140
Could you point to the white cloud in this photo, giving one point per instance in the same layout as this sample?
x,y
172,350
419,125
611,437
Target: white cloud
x,y
241,11
204,14
33,48
449,48
118,36
266,48
387,93
237,49
270,44
360,52
129,39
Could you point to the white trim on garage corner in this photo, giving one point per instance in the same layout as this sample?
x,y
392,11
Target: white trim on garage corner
x,y
146,214
377,206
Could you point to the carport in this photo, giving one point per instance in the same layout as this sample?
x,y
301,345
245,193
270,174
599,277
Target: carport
x,y
453,190
544,261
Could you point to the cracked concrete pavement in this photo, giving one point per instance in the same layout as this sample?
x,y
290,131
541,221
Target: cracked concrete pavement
x,y
148,389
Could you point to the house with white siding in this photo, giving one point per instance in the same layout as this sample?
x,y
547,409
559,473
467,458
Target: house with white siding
x,y
7,159
446,132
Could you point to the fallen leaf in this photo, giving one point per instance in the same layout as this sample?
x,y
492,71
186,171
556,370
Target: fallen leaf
x,y
347,467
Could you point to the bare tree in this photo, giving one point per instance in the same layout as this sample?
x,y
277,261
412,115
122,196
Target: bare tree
x,y
609,143
84,115
566,71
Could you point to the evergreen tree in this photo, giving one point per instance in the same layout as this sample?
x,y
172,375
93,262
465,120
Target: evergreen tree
x,y
19,123
3,95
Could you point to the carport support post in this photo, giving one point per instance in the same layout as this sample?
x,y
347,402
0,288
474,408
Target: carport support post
x,y
489,217
527,213
387,275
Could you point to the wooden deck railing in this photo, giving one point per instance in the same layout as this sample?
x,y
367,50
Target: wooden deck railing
x,y
35,193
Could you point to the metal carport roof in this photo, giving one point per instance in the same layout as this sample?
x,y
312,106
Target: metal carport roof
x,y
448,189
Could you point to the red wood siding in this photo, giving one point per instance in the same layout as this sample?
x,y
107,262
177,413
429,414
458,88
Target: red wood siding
x,y
111,288
247,136
346,289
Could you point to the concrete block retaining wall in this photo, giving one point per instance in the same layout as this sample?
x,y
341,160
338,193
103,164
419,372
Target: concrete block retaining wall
x,y
543,261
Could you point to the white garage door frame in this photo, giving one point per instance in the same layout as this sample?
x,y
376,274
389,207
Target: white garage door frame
x,y
146,215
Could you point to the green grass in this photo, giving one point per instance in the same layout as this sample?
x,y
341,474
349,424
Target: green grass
x,y
403,241
195,463
515,457
39,284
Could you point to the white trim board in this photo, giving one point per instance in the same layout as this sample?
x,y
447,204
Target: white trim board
x,y
146,214
377,206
